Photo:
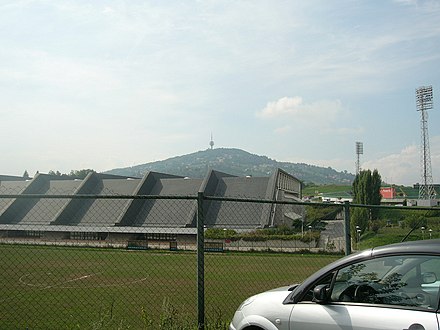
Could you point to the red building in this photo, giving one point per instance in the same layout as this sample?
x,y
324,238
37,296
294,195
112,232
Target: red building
x,y
388,192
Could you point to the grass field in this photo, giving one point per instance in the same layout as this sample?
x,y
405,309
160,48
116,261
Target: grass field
x,y
82,288
326,189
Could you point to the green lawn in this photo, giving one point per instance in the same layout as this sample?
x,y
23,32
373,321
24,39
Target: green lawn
x,y
396,233
327,189
82,288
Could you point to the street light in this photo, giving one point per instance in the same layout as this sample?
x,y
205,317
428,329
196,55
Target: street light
x,y
358,236
358,233
430,233
310,234
423,232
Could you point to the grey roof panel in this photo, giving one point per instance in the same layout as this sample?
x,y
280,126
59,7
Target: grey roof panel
x,y
225,214
169,213
12,178
44,210
245,215
243,187
166,213
106,212
119,186
13,187
178,187
10,188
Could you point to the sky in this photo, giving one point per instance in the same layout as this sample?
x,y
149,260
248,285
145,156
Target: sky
x,y
109,84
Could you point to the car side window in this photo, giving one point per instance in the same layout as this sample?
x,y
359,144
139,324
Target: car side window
x,y
396,280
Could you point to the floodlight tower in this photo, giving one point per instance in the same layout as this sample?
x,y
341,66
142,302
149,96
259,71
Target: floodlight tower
x,y
424,102
359,151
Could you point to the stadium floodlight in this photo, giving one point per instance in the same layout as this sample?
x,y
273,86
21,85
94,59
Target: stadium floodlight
x,y
424,101
424,98
359,151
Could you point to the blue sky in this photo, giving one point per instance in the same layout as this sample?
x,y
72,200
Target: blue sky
x,y
106,84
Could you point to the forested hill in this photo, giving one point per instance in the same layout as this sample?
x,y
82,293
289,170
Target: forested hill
x,y
236,162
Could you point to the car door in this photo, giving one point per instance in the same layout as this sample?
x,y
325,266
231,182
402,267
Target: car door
x,y
382,293
306,316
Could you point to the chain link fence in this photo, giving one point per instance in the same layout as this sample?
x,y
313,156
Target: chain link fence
x,y
149,262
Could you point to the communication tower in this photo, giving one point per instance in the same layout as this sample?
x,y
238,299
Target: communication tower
x,y
211,143
424,102
359,151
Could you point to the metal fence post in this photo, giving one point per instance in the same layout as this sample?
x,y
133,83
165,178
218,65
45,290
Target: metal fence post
x,y
200,263
347,228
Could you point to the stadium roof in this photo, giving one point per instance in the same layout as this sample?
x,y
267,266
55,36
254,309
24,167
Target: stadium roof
x,y
102,201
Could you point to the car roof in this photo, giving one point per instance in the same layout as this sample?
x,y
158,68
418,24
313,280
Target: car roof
x,y
429,246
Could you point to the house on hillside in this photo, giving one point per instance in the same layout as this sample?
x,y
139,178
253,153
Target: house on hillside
x,y
158,206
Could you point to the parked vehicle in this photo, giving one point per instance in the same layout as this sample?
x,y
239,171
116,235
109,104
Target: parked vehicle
x,y
389,287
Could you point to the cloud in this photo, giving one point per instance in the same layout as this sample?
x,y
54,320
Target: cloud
x,y
428,4
404,167
294,106
283,130
45,70
283,106
399,168
322,115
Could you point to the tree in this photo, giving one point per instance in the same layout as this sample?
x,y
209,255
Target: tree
x,y
76,174
80,174
366,188
57,173
366,191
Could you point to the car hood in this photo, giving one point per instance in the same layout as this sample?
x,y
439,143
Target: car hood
x,y
282,288
264,307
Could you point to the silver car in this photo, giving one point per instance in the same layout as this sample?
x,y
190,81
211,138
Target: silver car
x,y
389,287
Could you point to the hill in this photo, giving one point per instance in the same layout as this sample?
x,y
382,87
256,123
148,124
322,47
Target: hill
x,y
236,162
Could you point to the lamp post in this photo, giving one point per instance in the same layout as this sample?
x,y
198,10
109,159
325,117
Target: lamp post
x,y
310,234
358,236
423,232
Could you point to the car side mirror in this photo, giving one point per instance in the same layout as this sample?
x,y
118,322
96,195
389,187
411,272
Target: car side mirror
x,y
428,278
321,293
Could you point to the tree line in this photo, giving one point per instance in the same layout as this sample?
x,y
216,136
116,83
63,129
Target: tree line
x,y
75,174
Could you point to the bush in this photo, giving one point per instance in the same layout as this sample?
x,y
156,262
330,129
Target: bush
x,y
172,319
219,233
415,221
282,233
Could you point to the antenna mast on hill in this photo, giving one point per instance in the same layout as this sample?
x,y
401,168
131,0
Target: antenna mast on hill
x,y
359,151
424,102
211,143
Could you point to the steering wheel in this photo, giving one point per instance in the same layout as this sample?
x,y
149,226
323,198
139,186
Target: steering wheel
x,y
347,294
365,293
